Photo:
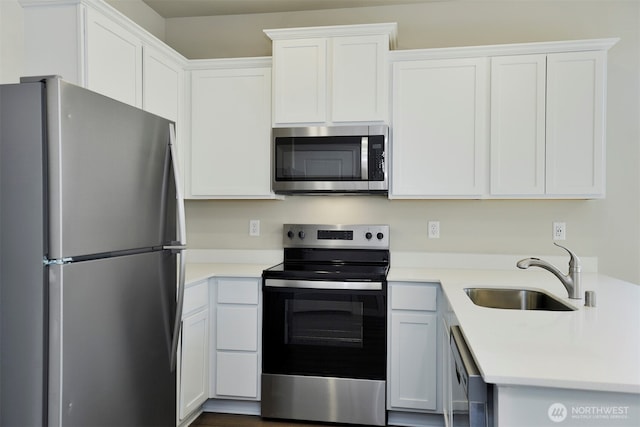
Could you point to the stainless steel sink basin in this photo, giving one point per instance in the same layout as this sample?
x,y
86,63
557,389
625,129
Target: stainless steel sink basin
x,y
516,299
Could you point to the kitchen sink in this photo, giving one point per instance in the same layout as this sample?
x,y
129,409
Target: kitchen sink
x,y
516,299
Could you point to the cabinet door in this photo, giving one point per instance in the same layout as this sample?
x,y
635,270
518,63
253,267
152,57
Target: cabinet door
x,y
413,360
439,128
300,81
518,85
114,60
575,123
237,374
359,78
194,362
163,81
230,133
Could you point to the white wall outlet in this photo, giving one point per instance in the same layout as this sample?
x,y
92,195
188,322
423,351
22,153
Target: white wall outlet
x,y
559,231
434,229
254,227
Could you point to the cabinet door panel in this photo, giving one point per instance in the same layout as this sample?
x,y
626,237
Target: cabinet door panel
x,y
237,328
194,362
231,128
439,127
237,374
575,123
518,85
114,60
359,88
413,361
163,82
300,81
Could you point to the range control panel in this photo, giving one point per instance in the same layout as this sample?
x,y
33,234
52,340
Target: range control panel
x,y
361,236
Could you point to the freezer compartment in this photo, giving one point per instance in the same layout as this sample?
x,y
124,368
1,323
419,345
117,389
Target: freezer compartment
x,y
111,326
110,176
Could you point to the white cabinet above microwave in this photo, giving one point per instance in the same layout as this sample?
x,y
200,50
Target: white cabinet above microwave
x,y
331,75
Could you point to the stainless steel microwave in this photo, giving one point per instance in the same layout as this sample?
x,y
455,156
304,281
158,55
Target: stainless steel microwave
x,y
331,160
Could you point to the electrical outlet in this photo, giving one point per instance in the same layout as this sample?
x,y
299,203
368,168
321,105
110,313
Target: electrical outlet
x,y
559,231
434,229
254,227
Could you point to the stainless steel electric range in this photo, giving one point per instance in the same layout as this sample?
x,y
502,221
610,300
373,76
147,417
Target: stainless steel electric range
x,y
324,325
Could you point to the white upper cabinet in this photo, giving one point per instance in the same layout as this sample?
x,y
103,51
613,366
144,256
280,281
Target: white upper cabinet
x,y
504,121
359,78
113,59
230,130
547,125
90,44
300,81
331,75
163,84
518,86
439,128
575,157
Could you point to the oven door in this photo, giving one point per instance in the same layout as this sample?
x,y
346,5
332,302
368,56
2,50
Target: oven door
x,y
324,329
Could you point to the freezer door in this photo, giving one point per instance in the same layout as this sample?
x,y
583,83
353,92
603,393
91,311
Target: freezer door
x,y
110,179
110,342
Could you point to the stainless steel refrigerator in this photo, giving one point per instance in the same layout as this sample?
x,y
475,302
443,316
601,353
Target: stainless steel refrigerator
x,y
91,265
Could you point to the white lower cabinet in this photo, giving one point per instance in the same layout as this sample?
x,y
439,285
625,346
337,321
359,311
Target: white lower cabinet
x,y
236,347
194,360
413,379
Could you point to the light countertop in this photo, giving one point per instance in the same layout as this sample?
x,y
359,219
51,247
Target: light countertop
x,y
201,271
593,348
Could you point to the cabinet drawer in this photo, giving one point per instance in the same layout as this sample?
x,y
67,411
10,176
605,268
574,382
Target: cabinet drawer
x,y
237,328
414,297
238,291
237,374
196,297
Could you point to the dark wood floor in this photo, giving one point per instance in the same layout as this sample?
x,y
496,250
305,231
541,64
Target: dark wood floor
x,y
209,419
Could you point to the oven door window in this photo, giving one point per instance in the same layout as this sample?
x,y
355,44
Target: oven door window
x,y
318,159
325,333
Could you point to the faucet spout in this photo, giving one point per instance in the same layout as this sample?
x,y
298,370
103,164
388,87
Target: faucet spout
x,y
571,281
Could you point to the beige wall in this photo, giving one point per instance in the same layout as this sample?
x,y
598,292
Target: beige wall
x,y
11,41
141,14
608,229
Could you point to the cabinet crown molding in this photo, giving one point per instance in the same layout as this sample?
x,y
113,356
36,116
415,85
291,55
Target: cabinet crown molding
x,y
229,63
390,29
504,49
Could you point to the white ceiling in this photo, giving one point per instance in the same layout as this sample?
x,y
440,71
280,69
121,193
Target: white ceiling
x,y
184,8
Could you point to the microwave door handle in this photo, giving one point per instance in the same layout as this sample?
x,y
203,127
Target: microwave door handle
x,y
364,158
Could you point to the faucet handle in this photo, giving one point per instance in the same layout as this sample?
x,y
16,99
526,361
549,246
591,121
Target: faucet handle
x,y
574,261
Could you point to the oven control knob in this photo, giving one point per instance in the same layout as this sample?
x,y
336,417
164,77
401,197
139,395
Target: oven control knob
x,y
368,235
290,234
301,234
380,236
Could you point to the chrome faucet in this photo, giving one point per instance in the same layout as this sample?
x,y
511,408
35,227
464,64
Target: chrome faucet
x,y
570,281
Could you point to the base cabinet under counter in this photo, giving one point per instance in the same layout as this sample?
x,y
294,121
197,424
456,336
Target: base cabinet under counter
x,y
413,377
236,338
193,365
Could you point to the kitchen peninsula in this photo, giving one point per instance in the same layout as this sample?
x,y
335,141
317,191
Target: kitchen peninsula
x,y
582,359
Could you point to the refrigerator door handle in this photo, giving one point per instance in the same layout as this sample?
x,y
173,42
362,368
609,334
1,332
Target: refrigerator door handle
x,y
182,224
178,319
182,241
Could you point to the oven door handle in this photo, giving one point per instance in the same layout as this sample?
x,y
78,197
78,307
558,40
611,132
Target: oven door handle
x,y
322,284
